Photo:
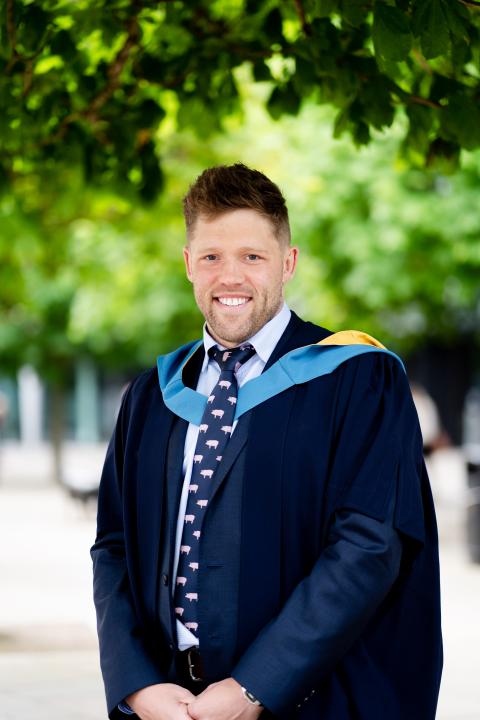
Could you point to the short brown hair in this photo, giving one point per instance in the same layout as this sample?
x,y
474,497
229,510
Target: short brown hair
x,y
233,187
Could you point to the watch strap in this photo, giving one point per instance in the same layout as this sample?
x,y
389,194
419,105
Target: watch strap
x,y
251,698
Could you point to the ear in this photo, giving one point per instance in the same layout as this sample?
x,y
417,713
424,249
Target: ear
x,y
289,263
187,257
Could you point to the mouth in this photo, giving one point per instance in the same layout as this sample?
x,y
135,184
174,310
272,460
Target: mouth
x,y
232,303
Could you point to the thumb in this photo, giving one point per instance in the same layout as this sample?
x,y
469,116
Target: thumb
x,y
185,695
189,712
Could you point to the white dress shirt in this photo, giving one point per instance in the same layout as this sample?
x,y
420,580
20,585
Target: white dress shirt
x,y
264,342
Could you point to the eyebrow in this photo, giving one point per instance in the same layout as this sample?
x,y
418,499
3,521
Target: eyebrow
x,y
247,248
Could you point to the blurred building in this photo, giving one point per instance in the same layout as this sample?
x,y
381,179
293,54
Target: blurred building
x,y
92,402
91,405
444,383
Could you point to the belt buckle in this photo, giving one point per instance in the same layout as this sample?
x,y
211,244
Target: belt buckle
x,y
191,664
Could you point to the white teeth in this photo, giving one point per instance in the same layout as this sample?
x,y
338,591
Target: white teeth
x,y
232,301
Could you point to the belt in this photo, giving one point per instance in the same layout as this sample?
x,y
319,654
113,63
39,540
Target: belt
x,y
189,664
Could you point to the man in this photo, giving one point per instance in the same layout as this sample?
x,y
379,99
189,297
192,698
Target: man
x,y
266,539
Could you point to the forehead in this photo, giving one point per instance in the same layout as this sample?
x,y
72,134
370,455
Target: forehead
x,y
233,226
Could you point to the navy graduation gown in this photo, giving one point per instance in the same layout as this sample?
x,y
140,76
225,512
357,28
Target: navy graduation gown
x,y
351,442
345,442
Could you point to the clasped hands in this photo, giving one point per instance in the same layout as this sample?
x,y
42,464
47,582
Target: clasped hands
x,y
221,700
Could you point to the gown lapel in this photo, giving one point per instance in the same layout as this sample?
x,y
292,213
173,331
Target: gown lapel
x,y
150,490
261,547
174,479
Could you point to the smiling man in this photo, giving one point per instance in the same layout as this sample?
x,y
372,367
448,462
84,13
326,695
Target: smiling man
x,y
238,268
266,541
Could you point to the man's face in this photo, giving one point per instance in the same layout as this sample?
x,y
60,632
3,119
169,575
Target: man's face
x,y
238,269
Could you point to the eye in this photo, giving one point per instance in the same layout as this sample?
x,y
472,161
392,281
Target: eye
x,y
210,257
253,256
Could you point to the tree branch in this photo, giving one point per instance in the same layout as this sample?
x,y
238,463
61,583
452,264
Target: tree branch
x,y
90,113
27,78
12,35
306,27
420,60
15,55
417,100
470,4
11,29
115,69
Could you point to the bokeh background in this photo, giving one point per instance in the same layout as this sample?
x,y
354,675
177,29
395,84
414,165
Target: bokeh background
x,y
367,115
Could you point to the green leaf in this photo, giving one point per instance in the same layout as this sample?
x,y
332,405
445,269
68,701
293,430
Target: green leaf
x,y
421,121
63,44
443,156
47,64
325,39
457,18
261,71
273,26
353,12
283,100
149,113
461,55
152,176
324,8
33,24
305,77
443,88
4,179
391,32
339,90
431,26
361,133
377,103
150,68
461,120
342,122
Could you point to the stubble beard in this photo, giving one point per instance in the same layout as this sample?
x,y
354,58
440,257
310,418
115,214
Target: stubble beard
x,y
221,329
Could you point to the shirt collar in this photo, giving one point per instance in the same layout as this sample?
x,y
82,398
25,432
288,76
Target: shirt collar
x,y
263,341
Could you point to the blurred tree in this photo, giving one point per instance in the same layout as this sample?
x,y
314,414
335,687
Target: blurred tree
x,y
85,84
92,95
386,247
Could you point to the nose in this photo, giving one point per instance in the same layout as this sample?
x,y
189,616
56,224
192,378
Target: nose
x,y
232,272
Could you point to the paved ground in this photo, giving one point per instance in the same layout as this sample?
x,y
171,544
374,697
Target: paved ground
x,y
48,657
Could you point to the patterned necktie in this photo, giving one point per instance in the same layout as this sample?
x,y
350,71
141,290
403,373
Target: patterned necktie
x,y
214,433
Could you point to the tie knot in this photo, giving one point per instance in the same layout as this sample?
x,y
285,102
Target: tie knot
x,y
231,357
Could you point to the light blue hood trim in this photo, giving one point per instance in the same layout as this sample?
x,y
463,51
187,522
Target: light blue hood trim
x,y
296,367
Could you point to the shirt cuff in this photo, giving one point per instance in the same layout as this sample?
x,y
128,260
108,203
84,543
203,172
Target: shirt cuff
x,y
124,707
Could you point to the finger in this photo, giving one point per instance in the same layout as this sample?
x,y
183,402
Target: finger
x,y
185,695
183,712
189,713
185,701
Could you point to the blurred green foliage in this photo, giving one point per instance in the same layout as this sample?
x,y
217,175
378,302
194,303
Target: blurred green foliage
x,y
88,82
384,247
109,111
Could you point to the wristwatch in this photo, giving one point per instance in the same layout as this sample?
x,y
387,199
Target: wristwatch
x,y
251,698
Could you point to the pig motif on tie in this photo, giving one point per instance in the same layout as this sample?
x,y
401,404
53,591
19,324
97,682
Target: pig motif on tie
x,y
214,433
